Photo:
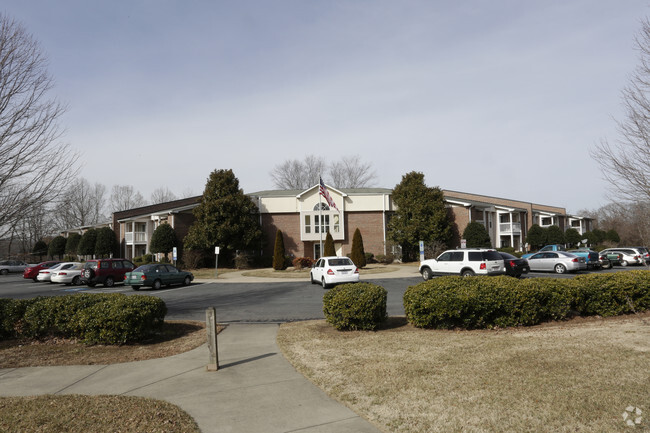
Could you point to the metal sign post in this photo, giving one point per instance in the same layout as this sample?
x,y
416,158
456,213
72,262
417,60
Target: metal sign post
x,y
216,261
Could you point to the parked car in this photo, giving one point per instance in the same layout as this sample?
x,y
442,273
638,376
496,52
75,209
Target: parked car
x,y
46,274
552,247
515,267
68,276
614,258
645,253
605,262
156,276
329,271
7,266
556,261
465,262
628,256
31,273
105,271
592,258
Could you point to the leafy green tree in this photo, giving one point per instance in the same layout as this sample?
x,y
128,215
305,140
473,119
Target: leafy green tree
x,y
596,236
329,246
536,237
612,236
358,255
279,262
87,242
420,216
225,217
40,249
572,236
72,243
555,235
163,240
477,236
106,242
56,248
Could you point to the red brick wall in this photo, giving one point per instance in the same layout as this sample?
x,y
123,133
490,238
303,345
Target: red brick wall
x,y
289,223
371,226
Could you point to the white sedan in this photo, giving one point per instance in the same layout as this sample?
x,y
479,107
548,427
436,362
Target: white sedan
x,y
46,274
329,271
68,276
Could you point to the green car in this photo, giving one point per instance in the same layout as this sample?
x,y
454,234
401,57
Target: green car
x,y
157,275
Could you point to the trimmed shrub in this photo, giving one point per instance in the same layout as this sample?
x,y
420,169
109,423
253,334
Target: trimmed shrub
x,y
302,262
485,302
355,306
242,261
358,254
328,248
279,261
386,259
121,320
93,318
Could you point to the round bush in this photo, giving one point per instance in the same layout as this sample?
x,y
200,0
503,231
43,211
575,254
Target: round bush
x,y
355,306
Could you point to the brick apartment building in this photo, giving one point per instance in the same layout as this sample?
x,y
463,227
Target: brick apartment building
x,y
304,217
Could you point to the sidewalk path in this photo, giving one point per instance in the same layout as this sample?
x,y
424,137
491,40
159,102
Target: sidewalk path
x,y
255,389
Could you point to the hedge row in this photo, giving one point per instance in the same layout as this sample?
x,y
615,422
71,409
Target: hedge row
x,y
92,318
484,302
355,306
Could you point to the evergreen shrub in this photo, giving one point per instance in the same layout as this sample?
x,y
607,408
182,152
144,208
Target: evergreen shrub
x,y
486,302
92,318
302,262
355,306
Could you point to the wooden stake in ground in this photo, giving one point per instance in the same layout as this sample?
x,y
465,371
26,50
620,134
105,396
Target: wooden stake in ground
x,y
211,326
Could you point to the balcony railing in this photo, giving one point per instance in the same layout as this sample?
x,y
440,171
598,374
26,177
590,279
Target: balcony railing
x,y
135,237
507,228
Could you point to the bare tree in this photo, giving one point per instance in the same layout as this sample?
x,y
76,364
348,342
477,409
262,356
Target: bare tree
x,y
350,172
296,174
124,197
34,166
162,195
626,161
83,204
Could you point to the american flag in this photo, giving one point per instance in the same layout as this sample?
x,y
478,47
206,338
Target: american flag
x,y
323,191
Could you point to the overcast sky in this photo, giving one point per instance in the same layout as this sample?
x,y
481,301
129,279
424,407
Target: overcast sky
x,y
502,98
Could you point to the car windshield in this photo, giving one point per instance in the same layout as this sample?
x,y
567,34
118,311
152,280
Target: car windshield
x,y
340,262
491,255
90,265
507,256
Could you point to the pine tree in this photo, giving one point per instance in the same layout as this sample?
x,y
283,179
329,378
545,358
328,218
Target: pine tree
x,y
72,244
358,254
477,235
56,248
40,249
421,215
225,217
163,240
106,242
328,248
279,262
87,242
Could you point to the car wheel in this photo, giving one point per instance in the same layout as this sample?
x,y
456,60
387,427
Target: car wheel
x,y
157,284
75,281
89,273
109,282
323,283
187,281
136,288
624,263
4,271
560,269
427,274
467,273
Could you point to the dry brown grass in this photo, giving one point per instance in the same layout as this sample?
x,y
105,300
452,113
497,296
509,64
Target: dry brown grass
x,y
77,413
97,414
576,376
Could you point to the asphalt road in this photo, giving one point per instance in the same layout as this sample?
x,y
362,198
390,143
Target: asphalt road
x,y
236,302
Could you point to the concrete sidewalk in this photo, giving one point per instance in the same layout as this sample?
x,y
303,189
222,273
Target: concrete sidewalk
x,y
255,389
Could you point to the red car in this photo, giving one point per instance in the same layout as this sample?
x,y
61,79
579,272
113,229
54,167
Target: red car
x,y
32,273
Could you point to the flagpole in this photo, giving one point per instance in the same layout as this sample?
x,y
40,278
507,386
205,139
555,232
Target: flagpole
x,y
320,210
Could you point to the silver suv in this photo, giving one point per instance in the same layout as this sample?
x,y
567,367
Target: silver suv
x,y
465,262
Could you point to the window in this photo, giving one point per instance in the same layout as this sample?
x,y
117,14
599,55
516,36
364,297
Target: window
x,y
337,225
321,206
307,224
457,256
118,264
445,257
547,221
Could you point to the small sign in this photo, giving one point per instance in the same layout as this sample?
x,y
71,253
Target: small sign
x,y
421,251
463,243
216,250
174,254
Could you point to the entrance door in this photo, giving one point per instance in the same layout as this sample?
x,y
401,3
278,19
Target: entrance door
x,y
316,250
